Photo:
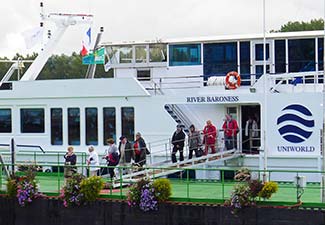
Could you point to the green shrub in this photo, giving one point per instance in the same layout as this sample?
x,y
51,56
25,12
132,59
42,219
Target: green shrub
x,y
11,187
268,189
91,187
163,189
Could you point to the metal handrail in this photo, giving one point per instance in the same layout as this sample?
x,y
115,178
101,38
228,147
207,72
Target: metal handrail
x,y
219,183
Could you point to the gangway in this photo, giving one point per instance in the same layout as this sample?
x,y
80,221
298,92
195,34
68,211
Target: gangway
x,y
166,167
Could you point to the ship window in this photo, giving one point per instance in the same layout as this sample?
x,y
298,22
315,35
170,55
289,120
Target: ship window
x,y
73,126
280,56
128,122
184,55
301,55
140,54
126,55
112,53
245,61
109,117
259,51
91,126
32,121
320,53
56,126
219,59
5,121
143,75
158,53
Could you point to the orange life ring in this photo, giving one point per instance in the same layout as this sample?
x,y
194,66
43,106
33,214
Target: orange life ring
x,y
232,84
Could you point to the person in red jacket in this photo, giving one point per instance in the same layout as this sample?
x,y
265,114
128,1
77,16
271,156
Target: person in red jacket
x,y
210,136
230,128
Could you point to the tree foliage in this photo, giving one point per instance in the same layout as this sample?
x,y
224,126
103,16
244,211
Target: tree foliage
x,y
57,67
291,26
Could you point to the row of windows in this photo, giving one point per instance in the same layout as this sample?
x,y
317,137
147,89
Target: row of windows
x,y
138,54
32,121
220,58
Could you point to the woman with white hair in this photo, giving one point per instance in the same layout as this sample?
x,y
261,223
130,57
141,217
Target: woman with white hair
x,y
92,161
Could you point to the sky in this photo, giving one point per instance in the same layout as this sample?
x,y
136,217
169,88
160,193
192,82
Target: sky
x,y
128,20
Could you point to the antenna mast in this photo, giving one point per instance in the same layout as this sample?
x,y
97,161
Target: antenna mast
x,y
62,22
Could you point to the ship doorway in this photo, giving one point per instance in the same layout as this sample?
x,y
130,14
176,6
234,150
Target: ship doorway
x,y
249,132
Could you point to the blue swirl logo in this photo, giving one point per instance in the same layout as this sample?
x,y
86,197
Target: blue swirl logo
x,y
295,123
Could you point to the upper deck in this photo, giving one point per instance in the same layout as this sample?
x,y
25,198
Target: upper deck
x,y
193,60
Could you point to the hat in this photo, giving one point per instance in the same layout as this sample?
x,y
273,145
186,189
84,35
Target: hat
x,y
179,126
138,134
122,137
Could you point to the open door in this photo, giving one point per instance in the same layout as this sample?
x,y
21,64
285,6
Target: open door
x,y
250,124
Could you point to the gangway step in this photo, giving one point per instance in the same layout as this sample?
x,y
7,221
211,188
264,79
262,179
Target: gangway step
x,y
170,168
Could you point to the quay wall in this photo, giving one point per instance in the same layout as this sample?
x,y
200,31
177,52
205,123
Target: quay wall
x,y
102,212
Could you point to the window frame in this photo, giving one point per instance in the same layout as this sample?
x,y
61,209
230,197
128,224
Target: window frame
x,y
43,131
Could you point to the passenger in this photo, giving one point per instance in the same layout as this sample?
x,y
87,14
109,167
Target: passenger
x,y
140,150
194,142
112,157
230,128
126,153
92,161
210,137
251,132
70,161
178,140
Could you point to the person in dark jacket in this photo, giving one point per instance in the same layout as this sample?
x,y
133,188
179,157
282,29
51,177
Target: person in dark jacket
x,y
194,142
126,152
70,161
140,150
178,140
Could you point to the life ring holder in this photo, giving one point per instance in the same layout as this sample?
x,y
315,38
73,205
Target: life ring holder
x,y
231,85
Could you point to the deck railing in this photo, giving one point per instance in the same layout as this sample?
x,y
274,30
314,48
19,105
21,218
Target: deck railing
x,y
188,183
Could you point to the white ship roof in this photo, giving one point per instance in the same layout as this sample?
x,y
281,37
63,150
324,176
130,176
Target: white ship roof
x,y
221,38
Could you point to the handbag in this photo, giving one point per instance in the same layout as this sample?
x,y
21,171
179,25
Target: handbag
x,y
199,152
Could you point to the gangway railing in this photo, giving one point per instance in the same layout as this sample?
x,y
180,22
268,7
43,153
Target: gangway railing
x,y
181,165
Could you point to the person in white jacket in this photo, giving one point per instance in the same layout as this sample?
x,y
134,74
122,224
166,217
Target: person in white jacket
x,y
251,132
92,161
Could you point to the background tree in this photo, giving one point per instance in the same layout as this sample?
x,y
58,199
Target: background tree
x,y
57,67
314,24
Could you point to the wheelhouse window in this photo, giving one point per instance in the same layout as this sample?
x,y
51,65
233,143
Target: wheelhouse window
x,y
245,62
157,53
91,126
5,121
126,54
32,120
320,53
112,53
109,117
141,54
128,122
259,52
219,59
280,56
56,126
185,55
301,55
73,126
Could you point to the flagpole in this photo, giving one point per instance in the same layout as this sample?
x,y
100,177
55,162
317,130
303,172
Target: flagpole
x,y
265,96
323,133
